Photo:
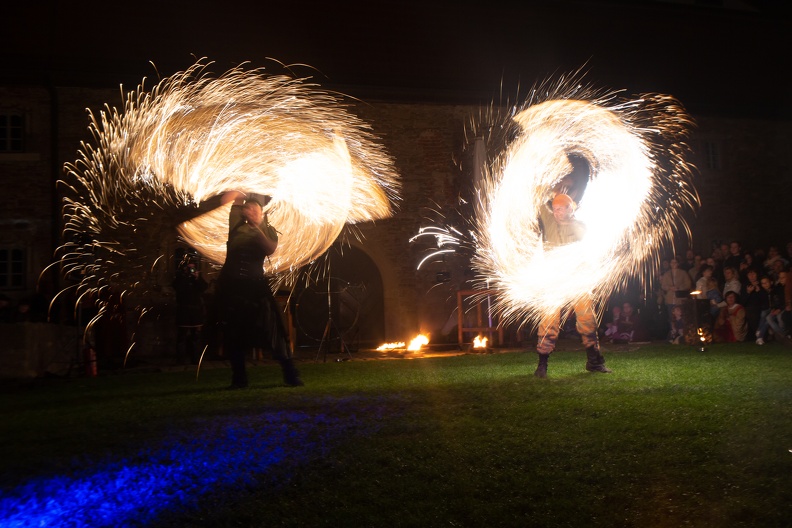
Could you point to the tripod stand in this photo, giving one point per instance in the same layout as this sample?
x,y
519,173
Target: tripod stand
x,y
327,337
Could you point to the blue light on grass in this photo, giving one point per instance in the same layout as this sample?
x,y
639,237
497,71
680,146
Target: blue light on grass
x,y
221,454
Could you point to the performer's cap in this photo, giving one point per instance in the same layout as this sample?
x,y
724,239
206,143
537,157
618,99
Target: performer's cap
x,y
563,200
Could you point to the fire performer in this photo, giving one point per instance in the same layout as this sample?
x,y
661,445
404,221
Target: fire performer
x,y
560,227
247,309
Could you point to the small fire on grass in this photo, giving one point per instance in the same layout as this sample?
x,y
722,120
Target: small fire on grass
x,y
414,346
479,342
391,346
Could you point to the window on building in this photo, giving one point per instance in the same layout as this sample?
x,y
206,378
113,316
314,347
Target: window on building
x,y
712,155
13,263
12,132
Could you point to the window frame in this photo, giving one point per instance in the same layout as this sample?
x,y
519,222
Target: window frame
x,y
13,132
13,265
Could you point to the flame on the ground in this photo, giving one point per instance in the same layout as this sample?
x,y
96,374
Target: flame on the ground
x,y
479,342
417,342
391,346
414,346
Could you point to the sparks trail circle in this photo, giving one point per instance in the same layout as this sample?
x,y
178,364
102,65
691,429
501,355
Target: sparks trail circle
x,y
635,187
154,171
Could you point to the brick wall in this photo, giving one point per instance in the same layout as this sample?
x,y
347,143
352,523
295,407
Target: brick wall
x,y
748,198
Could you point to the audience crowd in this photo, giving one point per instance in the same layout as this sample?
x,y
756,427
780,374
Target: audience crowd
x,y
731,295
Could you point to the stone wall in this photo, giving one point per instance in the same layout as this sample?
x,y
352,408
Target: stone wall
x,y
744,197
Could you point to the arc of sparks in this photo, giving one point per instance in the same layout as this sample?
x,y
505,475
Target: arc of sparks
x,y
637,190
156,168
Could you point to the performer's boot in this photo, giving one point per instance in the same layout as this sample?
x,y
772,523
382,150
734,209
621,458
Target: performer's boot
x,y
239,379
594,360
291,376
541,368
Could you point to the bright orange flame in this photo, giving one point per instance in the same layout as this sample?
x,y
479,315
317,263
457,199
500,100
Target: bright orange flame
x,y
391,346
479,342
417,342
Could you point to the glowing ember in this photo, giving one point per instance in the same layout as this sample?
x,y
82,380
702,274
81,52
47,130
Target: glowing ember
x,y
479,342
637,186
417,342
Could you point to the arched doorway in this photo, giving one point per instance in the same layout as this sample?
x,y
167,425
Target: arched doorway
x,y
352,300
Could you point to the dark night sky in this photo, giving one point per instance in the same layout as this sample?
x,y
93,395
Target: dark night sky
x,y
718,56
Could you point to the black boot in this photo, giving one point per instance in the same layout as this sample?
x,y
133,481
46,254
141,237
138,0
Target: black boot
x,y
541,368
594,360
239,379
291,376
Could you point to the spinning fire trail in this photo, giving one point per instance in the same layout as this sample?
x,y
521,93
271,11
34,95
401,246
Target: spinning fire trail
x,y
623,162
158,167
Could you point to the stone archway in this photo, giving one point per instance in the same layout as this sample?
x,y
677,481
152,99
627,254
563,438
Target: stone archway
x,y
353,297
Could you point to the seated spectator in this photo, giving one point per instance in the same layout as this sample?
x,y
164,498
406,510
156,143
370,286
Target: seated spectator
x,y
612,324
714,296
677,334
724,250
730,325
773,256
775,319
717,270
751,299
772,299
778,267
734,256
702,284
732,281
747,265
626,325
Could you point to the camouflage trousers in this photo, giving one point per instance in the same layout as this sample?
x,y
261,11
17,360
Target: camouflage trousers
x,y
586,324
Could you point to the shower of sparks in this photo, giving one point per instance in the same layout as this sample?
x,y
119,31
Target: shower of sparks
x,y
446,238
449,241
638,189
154,169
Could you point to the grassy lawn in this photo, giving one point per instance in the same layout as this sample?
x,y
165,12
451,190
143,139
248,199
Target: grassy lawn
x,y
674,437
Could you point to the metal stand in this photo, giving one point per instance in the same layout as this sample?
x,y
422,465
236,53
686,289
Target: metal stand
x,y
327,337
